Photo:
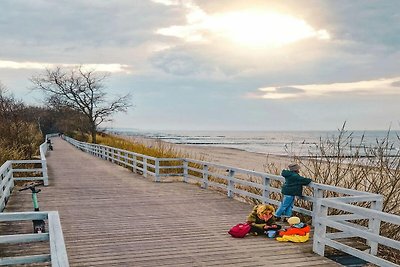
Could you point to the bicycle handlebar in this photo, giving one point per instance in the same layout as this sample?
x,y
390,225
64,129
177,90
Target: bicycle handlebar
x,y
32,187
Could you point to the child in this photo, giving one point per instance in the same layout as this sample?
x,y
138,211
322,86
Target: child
x,y
292,187
262,219
297,232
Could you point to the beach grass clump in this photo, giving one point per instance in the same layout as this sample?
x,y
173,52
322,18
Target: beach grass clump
x,y
159,150
9,153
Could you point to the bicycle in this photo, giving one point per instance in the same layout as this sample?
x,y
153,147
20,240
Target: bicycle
x,y
39,226
49,144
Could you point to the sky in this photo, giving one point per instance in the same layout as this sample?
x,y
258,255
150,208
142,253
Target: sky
x,y
220,64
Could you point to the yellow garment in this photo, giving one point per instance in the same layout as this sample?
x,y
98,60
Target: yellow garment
x,y
294,238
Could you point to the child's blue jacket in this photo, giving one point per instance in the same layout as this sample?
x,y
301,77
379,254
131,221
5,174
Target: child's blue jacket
x,y
293,185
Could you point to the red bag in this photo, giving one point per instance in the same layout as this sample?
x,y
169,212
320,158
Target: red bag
x,y
240,230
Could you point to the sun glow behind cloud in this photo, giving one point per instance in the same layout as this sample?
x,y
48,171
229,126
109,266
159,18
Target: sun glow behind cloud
x,y
262,28
41,65
246,27
381,86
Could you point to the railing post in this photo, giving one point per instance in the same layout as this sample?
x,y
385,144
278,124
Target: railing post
x,y
126,159
44,173
112,154
205,176
231,183
103,152
317,194
320,227
107,152
7,193
144,167
118,156
2,192
134,163
374,225
265,193
157,170
185,170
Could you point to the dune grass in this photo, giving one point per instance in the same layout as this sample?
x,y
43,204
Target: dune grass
x,y
159,150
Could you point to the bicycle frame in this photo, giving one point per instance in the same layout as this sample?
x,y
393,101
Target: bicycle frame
x,y
39,226
35,201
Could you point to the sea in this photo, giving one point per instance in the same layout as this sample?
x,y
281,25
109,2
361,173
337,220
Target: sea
x,y
281,143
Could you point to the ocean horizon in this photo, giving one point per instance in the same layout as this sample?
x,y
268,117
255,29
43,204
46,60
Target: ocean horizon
x,y
281,143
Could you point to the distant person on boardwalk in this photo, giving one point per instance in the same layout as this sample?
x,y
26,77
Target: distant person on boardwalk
x,y
261,219
298,232
292,187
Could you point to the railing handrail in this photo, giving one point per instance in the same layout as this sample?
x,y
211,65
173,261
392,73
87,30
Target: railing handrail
x,y
370,213
321,237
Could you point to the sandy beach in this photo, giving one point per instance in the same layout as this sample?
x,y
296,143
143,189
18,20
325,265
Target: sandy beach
x,y
221,155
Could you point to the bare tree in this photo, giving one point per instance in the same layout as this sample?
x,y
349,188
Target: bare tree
x,y
83,91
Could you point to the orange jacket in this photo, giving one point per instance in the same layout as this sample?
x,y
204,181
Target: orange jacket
x,y
296,231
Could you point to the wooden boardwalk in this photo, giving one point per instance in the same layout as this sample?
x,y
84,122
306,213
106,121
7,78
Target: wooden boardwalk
x,y
113,217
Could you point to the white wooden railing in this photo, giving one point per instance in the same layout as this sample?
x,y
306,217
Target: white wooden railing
x,y
58,253
16,170
239,182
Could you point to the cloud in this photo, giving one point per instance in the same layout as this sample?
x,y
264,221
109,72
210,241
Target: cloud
x,y
41,65
167,2
289,90
380,86
277,92
396,84
249,27
178,62
58,31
